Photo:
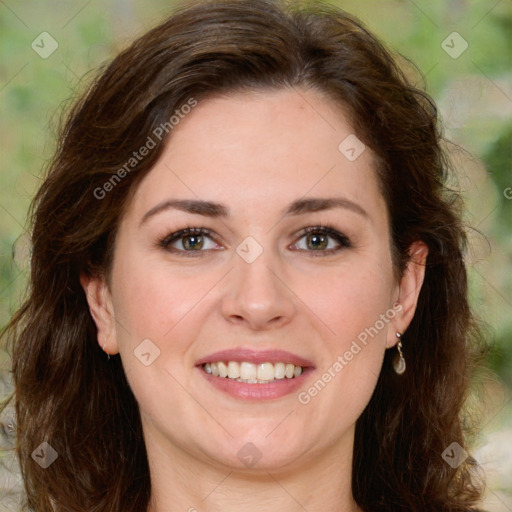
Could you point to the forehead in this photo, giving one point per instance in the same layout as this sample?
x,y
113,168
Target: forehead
x,y
269,147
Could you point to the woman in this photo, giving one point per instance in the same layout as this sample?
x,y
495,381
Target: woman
x,y
247,283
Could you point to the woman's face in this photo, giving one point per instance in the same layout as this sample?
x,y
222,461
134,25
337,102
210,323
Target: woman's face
x,y
255,283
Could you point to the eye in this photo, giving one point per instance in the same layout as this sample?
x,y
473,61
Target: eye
x,y
193,242
317,241
189,240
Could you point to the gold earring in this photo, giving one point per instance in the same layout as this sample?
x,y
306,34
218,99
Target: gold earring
x,y
398,360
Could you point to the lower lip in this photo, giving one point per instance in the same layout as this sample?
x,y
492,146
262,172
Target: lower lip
x,y
275,389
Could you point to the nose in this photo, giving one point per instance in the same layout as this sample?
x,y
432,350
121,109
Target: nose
x,y
258,295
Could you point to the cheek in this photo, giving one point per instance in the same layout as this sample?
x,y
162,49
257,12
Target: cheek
x,y
157,305
355,299
153,300
356,310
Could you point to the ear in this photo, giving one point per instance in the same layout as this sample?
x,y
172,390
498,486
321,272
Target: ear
x,y
102,311
409,291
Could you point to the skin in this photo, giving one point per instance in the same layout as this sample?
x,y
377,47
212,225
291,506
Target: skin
x,y
255,153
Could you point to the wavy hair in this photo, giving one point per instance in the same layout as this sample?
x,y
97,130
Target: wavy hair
x,y
67,393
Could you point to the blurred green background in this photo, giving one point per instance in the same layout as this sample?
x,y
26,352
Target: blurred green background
x,y
472,87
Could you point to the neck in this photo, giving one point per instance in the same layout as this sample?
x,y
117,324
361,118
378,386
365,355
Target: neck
x,y
180,482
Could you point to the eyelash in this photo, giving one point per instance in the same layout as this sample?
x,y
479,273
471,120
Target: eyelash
x,y
321,230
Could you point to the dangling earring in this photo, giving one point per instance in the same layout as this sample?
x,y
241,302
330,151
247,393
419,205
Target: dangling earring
x,y
398,360
108,355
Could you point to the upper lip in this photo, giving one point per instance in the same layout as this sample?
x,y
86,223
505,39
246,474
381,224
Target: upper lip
x,y
255,356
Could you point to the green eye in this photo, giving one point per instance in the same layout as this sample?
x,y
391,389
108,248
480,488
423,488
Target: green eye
x,y
191,240
197,241
317,240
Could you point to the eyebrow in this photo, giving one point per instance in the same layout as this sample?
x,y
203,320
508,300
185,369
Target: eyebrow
x,y
217,210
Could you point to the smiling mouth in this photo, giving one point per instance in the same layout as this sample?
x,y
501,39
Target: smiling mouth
x,y
250,373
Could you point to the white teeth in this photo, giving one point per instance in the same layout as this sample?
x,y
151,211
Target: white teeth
x,y
233,370
279,370
248,371
253,373
223,369
266,371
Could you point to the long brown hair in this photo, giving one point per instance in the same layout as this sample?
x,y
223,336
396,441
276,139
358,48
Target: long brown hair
x,y
66,391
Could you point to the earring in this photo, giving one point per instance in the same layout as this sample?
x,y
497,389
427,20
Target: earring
x,y
108,355
398,360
